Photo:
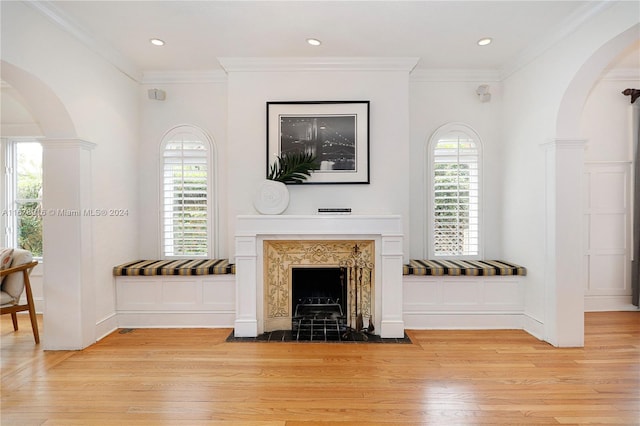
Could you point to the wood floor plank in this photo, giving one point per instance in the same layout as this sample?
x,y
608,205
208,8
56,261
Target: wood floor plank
x,y
194,377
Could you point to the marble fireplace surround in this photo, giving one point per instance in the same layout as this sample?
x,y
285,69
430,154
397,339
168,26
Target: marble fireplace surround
x,y
253,230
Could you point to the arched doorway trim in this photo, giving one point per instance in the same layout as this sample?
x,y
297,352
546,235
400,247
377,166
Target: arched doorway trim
x,y
568,120
45,106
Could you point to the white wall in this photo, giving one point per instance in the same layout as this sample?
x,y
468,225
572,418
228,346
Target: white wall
x,y
199,103
434,103
388,92
606,118
103,105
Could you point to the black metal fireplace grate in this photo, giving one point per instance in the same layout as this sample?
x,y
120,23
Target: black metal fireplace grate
x,y
319,319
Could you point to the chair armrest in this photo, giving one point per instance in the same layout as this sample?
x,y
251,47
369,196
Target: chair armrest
x,y
19,268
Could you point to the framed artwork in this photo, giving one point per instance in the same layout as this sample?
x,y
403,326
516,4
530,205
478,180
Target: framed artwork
x,y
337,133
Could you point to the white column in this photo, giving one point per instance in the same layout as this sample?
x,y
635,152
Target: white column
x,y
392,323
246,324
69,310
564,290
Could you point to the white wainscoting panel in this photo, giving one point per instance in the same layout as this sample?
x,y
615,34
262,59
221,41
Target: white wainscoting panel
x,y
463,302
176,301
607,236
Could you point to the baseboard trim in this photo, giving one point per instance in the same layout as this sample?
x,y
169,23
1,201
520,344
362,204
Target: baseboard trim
x,y
176,319
533,326
463,320
106,326
608,303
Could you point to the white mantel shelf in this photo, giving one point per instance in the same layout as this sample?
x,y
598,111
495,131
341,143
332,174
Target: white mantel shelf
x,y
385,230
320,224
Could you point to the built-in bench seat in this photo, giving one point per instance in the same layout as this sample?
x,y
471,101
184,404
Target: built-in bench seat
x,y
465,294
474,268
175,267
440,294
175,293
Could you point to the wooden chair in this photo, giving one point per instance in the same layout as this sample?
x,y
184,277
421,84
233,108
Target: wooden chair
x,y
15,281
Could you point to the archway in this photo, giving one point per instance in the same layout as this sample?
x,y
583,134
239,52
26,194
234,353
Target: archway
x,y
566,155
568,121
43,103
68,307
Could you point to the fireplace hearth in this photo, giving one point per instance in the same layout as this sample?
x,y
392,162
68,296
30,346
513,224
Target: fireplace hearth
x,y
285,336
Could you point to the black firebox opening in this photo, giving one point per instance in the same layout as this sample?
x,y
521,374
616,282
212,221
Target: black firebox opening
x,y
317,282
319,298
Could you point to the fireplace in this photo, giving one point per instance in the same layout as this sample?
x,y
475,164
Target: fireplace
x,y
270,248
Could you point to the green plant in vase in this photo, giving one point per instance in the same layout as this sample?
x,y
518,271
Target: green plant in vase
x,y
289,168
293,167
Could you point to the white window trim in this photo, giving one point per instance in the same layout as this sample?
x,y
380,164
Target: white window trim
x,y
429,198
4,200
213,240
8,167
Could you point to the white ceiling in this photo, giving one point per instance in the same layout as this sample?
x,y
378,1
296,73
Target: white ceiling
x,y
441,34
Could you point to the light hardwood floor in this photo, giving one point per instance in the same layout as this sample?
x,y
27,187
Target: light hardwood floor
x,y
193,377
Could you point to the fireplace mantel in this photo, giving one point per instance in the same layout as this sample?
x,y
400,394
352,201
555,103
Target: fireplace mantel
x,y
384,230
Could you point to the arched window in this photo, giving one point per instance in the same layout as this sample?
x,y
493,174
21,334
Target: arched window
x,y
454,212
186,194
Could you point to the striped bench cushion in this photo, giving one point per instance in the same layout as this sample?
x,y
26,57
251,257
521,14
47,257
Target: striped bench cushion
x,y
175,267
474,268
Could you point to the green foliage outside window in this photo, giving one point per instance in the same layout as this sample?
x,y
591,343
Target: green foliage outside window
x,y
451,207
22,214
28,194
189,224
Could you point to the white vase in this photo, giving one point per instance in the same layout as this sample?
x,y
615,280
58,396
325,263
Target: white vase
x,y
272,197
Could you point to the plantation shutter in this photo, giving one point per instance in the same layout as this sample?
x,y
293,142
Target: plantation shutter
x,y
185,197
455,196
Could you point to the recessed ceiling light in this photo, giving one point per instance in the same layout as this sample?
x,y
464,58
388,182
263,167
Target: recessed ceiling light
x,y
157,42
485,41
314,41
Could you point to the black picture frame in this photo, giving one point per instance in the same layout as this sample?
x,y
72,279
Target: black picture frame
x,y
337,132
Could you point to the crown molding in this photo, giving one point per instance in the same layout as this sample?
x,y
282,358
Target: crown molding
x,y
257,64
555,35
102,49
622,74
455,75
66,143
177,77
